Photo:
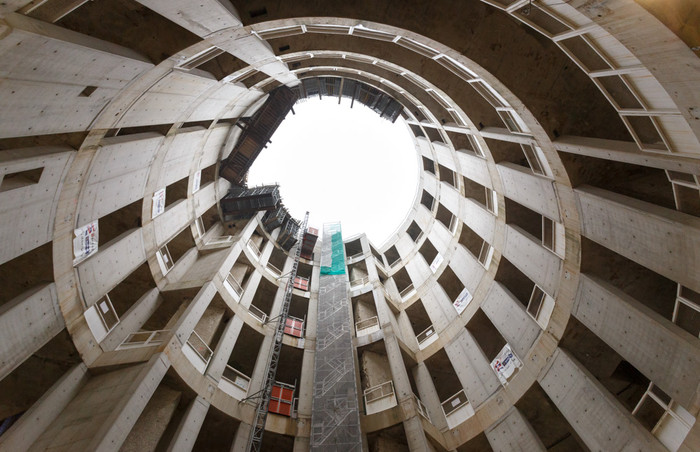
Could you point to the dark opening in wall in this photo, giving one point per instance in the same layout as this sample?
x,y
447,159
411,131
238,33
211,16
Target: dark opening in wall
x,y
471,241
289,368
525,218
549,424
122,220
447,175
131,25
445,217
161,129
418,317
639,182
450,283
515,281
475,191
20,179
31,379
180,244
176,191
486,334
174,303
222,65
257,12
646,286
414,231
245,352
210,217
417,130
504,151
283,48
265,296
25,272
433,134
443,374
277,260
204,124
618,376
427,200
428,165
479,443
217,432
376,255
72,140
353,248
299,308
392,256
403,280
428,251
392,438
128,292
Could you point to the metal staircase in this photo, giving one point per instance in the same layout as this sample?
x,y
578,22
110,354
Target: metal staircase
x,y
258,428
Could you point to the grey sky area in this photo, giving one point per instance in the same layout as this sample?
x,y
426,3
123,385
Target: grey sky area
x,y
342,164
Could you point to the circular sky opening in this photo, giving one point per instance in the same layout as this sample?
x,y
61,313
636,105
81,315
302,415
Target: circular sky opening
x,y
342,164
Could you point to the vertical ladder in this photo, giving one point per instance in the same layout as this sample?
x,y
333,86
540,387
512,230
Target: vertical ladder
x,y
256,436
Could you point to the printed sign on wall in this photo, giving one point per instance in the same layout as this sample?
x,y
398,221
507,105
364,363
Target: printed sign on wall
x,y
505,364
196,181
85,241
462,300
158,203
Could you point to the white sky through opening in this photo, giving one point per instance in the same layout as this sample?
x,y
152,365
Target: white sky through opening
x,y
342,164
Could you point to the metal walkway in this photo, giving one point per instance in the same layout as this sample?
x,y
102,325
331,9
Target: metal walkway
x,y
335,421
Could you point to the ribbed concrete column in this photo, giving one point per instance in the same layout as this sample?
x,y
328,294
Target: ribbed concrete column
x,y
188,429
513,433
27,322
599,419
428,395
224,348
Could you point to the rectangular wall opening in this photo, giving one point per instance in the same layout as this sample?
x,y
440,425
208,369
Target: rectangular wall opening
x,y
485,334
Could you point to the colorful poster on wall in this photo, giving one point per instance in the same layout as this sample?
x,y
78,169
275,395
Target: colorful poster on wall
x,y
85,241
462,300
505,364
158,203
196,181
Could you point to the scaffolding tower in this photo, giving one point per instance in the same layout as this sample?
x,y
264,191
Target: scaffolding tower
x,y
256,436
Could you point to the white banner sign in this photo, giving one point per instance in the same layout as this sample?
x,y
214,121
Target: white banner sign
x,y
196,181
436,263
158,203
85,241
462,300
505,364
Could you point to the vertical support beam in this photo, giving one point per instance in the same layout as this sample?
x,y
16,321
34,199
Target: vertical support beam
x,y
224,348
188,430
28,322
37,419
513,433
429,396
598,418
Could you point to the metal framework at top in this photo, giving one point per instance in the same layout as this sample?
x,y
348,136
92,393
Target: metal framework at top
x,y
256,436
